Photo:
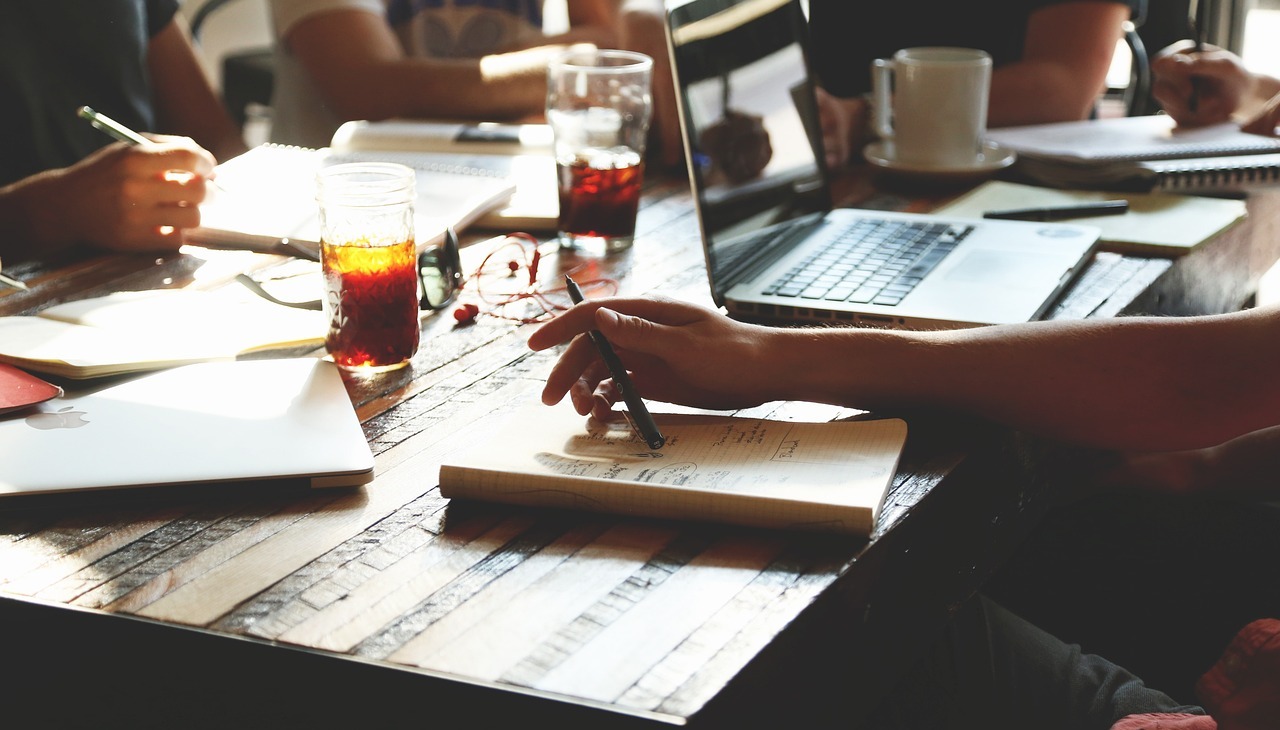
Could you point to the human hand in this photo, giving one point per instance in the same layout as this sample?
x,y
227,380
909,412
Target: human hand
x,y
844,127
738,145
676,352
126,197
1266,120
1222,82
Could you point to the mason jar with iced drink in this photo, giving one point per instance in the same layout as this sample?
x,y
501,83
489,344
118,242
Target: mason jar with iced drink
x,y
369,258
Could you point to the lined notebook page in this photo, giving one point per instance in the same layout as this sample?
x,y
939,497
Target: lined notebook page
x,y
827,476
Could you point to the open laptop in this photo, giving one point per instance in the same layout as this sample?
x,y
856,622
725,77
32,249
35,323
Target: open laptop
x,y
775,248
216,424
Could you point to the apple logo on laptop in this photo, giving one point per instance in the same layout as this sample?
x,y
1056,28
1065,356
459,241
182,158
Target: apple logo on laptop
x,y
63,418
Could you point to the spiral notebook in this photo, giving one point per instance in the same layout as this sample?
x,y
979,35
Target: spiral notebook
x,y
268,194
1141,154
521,153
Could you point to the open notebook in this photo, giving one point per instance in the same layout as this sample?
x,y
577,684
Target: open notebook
x,y
125,332
1141,153
520,153
254,422
269,193
828,477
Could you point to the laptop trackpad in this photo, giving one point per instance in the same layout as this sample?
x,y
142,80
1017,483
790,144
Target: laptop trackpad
x,y
1001,268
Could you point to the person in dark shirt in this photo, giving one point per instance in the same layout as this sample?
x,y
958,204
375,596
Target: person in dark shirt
x,y
1050,57
62,182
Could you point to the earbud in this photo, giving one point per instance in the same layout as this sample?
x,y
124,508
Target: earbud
x,y
533,266
466,313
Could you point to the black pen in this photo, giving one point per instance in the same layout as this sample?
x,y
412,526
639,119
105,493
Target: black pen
x,y
640,418
1193,101
1061,212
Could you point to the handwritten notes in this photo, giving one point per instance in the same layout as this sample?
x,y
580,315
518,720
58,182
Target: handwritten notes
x,y
828,476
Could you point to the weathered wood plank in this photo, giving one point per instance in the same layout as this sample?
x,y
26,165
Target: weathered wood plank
x,y
404,585
613,661
404,472
32,570
503,624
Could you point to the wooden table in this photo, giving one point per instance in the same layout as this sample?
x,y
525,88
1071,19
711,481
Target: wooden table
x,y
388,604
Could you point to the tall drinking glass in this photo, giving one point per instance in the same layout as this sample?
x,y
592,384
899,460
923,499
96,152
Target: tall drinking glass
x,y
368,256
599,104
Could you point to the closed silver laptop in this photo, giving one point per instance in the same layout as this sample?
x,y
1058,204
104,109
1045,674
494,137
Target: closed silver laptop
x,y
217,423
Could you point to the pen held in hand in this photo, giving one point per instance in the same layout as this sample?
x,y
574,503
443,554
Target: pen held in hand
x,y
1061,212
1198,23
640,418
118,131
111,127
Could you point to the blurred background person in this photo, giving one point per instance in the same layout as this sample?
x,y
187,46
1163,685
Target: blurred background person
x,y
1050,56
62,182
339,60
1224,89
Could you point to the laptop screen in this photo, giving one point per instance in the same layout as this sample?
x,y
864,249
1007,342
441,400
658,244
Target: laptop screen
x,y
750,123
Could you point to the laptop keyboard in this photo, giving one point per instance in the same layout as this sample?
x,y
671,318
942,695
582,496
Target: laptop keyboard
x,y
875,261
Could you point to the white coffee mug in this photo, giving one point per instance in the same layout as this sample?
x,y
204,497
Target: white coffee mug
x,y
931,103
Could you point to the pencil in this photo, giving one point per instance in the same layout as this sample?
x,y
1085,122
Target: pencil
x,y
640,418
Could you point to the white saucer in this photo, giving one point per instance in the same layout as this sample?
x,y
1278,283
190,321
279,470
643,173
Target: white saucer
x,y
992,159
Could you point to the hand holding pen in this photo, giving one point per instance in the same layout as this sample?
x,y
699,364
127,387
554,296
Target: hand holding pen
x,y
1215,78
637,413
138,197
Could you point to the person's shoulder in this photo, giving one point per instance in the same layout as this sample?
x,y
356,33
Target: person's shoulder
x,y
286,13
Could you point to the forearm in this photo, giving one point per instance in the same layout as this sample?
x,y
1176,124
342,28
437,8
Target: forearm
x,y
1262,88
1129,383
497,87
359,68
1246,466
1067,51
1037,93
31,227
185,101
